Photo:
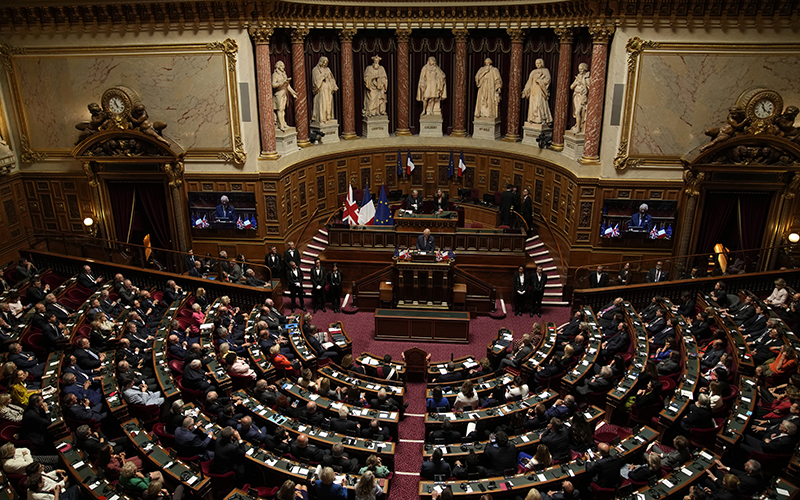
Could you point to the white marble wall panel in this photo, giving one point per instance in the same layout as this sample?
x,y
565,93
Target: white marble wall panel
x,y
188,91
681,94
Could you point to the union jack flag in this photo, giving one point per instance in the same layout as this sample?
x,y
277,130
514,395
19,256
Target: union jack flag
x,y
239,223
202,223
615,232
653,233
404,254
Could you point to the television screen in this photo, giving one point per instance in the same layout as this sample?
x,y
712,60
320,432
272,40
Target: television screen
x,y
645,219
220,210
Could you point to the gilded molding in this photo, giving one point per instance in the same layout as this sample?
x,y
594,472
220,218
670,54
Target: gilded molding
x,y
601,34
460,34
517,35
791,189
28,155
261,35
238,156
299,35
565,35
692,182
347,34
174,173
635,47
402,34
91,170
229,47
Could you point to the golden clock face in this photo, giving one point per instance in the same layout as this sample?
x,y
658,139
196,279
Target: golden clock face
x,y
117,101
762,104
764,108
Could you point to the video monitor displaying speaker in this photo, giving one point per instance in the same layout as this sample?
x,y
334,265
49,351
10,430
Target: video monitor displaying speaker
x,y
222,210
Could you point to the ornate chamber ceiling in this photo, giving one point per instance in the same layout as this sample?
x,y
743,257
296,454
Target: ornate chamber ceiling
x,y
124,15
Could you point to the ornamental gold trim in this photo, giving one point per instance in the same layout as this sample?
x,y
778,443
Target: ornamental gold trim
x,y
636,49
228,47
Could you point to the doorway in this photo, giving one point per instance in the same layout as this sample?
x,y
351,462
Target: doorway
x,y
140,208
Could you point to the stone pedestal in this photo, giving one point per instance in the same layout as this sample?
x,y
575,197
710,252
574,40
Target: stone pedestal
x,y
286,141
376,127
486,128
573,145
330,129
531,132
430,126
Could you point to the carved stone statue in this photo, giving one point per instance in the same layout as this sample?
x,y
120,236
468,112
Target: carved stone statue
x,y
323,87
785,123
537,90
375,87
281,87
489,85
737,120
432,88
141,122
580,97
98,118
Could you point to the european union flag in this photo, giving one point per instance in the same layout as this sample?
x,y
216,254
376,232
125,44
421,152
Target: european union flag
x,y
383,216
450,166
399,164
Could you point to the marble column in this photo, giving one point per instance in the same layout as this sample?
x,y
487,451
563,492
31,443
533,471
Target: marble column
x,y
514,84
299,81
562,87
597,91
348,93
266,113
403,95
460,85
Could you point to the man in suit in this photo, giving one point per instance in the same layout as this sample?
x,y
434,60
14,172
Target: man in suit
x,y
176,349
515,360
36,291
91,441
767,346
294,277
250,279
606,315
687,307
291,255
87,358
35,421
88,280
83,410
538,280
779,442
751,479
599,383
62,312
660,338
526,209
619,342
446,434
670,365
450,375
312,415
374,430
26,361
342,425
141,395
598,279
82,391
318,282
335,291
568,492
641,220
111,308
521,286
556,438
506,205
604,471
195,377
414,202
301,449
500,456
701,327
720,295
196,271
712,356
274,262
128,293
81,375
384,402
657,274
189,443
745,311
191,259
25,270
755,323
171,293
658,324
251,432
229,453
338,458
235,274
425,242
437,466
224,210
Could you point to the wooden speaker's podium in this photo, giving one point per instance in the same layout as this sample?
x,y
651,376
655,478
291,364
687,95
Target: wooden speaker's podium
x,y
423,282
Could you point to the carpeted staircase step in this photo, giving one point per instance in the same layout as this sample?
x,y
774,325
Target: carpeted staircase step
x,y
316,248
546,260
321,239
308,253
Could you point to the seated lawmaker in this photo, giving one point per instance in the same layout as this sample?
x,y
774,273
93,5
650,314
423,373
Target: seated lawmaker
x,y
414,202
425,241
224,210
641,220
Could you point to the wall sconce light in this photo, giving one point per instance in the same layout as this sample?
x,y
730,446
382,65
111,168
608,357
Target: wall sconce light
x,y
793,238
90,226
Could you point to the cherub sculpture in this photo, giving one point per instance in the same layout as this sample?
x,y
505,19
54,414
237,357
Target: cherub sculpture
x,y
95,123
142,123
736,122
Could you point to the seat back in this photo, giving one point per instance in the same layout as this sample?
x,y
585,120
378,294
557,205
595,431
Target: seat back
x,y
416,361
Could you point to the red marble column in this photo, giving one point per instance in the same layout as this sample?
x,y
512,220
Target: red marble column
x,y
403,96
266,113
460,85
597,90
299,81
562,87
514,84
348,93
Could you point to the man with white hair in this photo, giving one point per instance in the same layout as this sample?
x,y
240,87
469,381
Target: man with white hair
x,y
88,280
195,378
778,442
225,212
641,220
188,442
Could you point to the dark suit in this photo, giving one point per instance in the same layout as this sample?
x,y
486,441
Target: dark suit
x,y
640,221
318,282
661,337
294,278
87,359
754,324
595,282
229,456
253,281
506,204
342,425
36,295
335,291
537,283
604,472
526,210
656,326
414,204
430,469
425,244
449,377
88,281
311,452
497,460
744,313
348,465
618,343
449,437
195,379
62,313
28,362
687,308
440,204
35,422
520,292
275,264
127,296
558,443
606,315
188,443
656,275
291,255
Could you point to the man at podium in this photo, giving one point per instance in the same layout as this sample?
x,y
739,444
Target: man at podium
x,y
641,220
425,241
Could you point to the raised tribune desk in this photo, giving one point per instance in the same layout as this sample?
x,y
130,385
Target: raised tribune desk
x,y
422,326
445,222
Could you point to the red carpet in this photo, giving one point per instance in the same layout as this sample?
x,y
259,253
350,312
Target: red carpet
x,y
361,329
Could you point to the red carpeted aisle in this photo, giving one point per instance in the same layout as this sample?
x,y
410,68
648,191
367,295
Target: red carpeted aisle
x,y
361,329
